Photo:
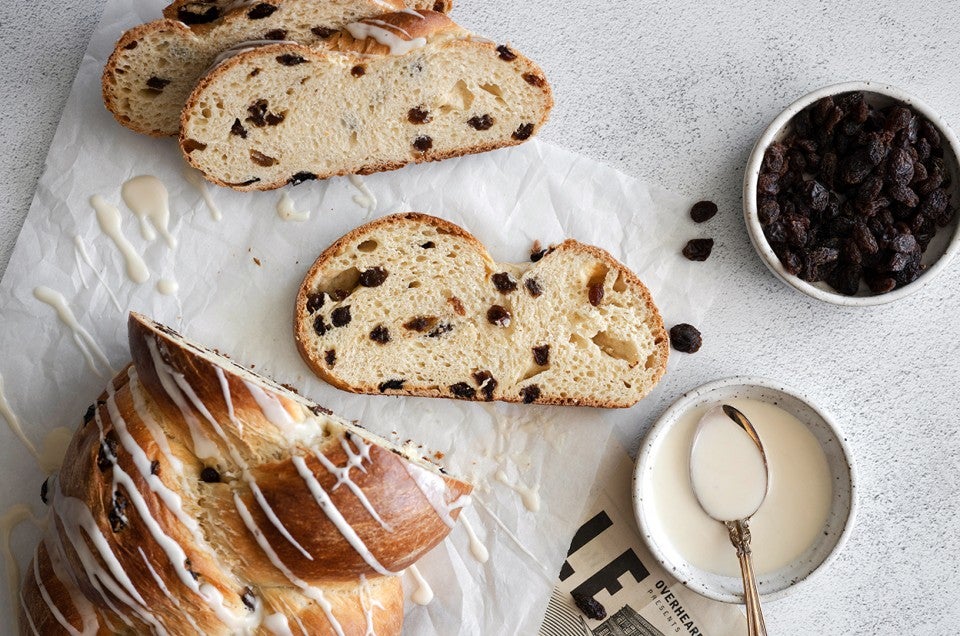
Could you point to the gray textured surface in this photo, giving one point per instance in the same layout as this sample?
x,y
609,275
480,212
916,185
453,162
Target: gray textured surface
x,y
675,93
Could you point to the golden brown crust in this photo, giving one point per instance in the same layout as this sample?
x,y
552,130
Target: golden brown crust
x,y
301,328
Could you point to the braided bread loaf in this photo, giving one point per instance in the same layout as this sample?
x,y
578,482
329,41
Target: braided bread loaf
x,y
197,497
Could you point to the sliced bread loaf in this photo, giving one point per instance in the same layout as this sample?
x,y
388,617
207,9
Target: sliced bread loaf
x,y
411,304
400,88
155,66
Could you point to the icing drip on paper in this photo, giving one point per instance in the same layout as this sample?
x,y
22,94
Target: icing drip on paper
x,y
530,495
366,198
108,216
14,423
287,212
147,198
167,286
477,549
424,593
512,536
80,251
86,343
383,33
195,178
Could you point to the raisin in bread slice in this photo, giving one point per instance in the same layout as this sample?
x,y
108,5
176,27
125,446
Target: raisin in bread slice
x,y
414,305
399,88
155,66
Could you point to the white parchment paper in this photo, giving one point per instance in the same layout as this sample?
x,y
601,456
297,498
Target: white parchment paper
x,y
238,278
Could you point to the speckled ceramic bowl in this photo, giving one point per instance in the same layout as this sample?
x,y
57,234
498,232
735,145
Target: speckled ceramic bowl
x,y
942,248
839,520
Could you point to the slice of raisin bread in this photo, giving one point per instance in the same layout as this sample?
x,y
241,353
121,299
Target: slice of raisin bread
x,y
399,88
155,66
411,304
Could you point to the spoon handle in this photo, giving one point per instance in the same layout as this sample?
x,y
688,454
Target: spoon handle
x,y
740,537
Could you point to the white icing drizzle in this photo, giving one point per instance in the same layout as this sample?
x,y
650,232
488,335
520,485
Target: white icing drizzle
x,y
412,12
66,577
278,625
512,536
287,212
14,423
366,198
529,495
147,198
57,614
242,47
277,415
343,477
166,592
168,286
376,29
88,346
79,264
203,446
108,216
336,517
225,389
143,413
435,490
80,252
195,178
477,549
424,593
368,603
309,591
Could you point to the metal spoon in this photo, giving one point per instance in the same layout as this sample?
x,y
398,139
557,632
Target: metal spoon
x,y
739,528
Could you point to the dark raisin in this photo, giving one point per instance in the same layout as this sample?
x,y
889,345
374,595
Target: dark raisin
x,y
698,249
816,195
504,282
157,83
380,334
428,245
257,112
499,316
533,79
261,159
523,132
330,357
210,475
318,410
315,302
320,326
881,284
261,11
245,183
44,490
272,119
423,143
530,393
190,145
188,566
506,54
480,122
358,71
248,598
457,305
685,338
536,254
438,6
533,287
541,355
373,277
90,414
155,467
188,15
420,323
768,210
107,455
390,385
463,390
904,243
440,329
118,512
300,177
900,167
486,382
590,606
290,59
322,32
238,129
855,168
418,115
341,316
595,293
275,34
703,211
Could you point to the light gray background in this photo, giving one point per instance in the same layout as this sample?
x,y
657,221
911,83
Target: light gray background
x,y
675,93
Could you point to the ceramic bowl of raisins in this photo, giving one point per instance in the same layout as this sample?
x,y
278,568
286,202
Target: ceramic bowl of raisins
x,y
850,194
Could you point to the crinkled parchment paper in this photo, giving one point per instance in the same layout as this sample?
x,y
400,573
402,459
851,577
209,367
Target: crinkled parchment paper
x,y
507,198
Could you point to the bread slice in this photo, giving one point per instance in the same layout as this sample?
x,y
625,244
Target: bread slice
x,y
285,113
413,305
155,66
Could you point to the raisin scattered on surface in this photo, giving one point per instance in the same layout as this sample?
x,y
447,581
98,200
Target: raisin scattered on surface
x,y
698,249
249,599
591,607
107,455
330,357
380,334
703,211
685,338
530,393
373,277
315,302
486,382
463,390
481,122
358,71
595,293
390,385
504,282
533,286
505,53
157,83
541,355
300,177
238,129
118,512
290,59
261,11
418,115
498,315
523,132
341,316
423,143
210,475
322,32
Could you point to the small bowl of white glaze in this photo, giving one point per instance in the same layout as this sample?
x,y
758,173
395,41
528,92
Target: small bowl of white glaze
x,y
942,248
801,526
